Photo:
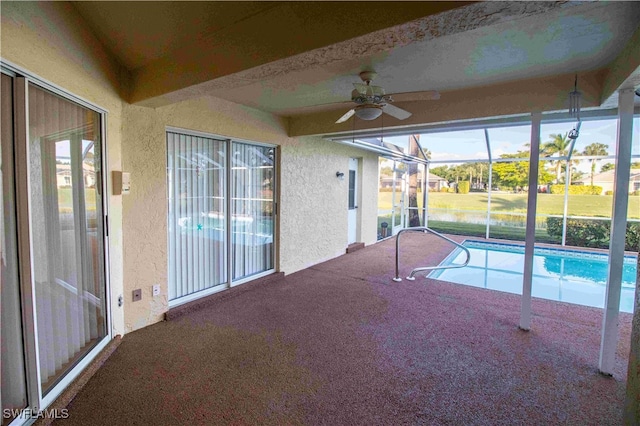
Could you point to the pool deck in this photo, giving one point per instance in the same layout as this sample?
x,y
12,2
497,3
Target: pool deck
x,y
341,343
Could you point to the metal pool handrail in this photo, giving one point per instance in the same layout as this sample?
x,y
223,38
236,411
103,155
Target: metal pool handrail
x,y
427,268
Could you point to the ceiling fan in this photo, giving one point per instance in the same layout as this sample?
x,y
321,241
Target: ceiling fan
x,y
372,101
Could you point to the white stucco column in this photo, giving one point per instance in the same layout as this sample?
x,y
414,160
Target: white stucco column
x,y
618,232
530,239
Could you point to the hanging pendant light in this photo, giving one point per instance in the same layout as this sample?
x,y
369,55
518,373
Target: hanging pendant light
x,y
574,101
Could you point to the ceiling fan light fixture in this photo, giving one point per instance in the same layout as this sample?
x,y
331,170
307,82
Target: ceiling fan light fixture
x,y
369,112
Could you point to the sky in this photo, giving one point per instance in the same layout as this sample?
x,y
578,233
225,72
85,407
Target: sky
x,y
471,144
63,149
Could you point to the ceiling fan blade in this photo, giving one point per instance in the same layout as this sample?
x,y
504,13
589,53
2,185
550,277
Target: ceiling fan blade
x,y
396,112
428,95
346,116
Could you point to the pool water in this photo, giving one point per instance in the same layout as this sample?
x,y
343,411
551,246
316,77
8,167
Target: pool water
x,y
578,277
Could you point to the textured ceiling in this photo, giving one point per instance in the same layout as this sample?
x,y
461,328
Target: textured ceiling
x,y
558,42
301,58
139,32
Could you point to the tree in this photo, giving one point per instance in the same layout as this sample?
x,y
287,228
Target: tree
x,y
595,148
516,173
606,167
442,171
511,174
559,144
386,171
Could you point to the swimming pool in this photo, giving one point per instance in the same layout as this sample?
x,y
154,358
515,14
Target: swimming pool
x,y
571,276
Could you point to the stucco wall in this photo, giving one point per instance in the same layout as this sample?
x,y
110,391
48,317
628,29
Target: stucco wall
x,y
313,202
49,40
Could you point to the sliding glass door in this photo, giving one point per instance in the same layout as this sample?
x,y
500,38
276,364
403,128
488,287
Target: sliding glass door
x,y
220,213
52,276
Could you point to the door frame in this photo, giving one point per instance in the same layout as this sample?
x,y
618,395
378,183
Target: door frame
x,y
353,200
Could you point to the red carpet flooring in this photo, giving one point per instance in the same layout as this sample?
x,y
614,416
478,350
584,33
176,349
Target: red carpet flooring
x,y
341,344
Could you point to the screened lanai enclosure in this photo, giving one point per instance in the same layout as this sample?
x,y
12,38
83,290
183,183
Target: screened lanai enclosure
x,y
473,179
552,178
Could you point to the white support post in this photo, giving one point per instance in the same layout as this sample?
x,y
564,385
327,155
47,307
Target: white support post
x,y
609,339
565,208
530,239
393,197
567,173
486,139
425,196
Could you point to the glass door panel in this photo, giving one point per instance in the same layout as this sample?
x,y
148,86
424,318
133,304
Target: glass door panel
x,y
197,227
66,230
13,390
252,220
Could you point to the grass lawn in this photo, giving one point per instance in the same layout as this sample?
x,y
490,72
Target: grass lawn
x,y
579,205
479,230
65,199
500,232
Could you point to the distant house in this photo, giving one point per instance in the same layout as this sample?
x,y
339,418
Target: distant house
x,y
435,182
63,175
606,180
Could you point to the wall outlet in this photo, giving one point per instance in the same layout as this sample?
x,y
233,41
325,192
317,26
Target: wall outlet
x,y
156,289
137,295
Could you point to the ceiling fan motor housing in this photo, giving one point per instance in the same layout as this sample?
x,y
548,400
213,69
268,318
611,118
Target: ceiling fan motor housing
x,y
368,76
367,98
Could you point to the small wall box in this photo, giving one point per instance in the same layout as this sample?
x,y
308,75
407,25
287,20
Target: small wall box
x,y
121,182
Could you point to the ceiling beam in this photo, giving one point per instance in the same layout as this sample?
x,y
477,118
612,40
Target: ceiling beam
x,y
623,72
286,30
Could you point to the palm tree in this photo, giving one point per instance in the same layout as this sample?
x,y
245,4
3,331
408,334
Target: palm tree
x,y
559,144
595,148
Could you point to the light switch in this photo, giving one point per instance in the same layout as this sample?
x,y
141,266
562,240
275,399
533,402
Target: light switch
x,y
126,183
120,182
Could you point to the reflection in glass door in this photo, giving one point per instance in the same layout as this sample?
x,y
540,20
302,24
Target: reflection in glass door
x,y
65,202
